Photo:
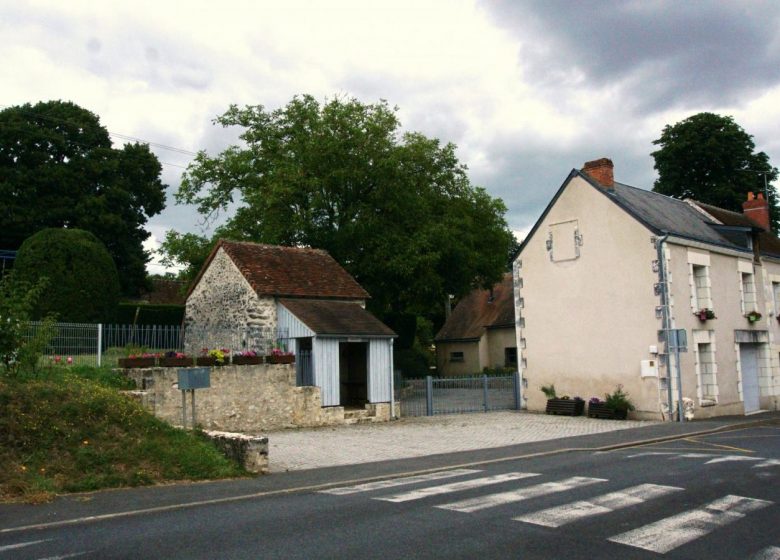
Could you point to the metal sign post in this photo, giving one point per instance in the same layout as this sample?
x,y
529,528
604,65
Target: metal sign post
x,y
189,380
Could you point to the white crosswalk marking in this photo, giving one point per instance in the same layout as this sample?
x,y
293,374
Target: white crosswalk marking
x,y
671,532
567,513
455,487
20,545
767,463
492,500
381,484
769,553
733,458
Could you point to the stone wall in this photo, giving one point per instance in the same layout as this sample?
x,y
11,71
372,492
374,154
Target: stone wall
x,y
223,300
251,452
249,399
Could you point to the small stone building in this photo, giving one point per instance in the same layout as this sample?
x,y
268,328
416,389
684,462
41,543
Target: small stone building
x,y
300,299
480,332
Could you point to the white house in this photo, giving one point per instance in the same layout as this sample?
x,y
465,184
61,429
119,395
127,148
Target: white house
x,y
306,301
608,269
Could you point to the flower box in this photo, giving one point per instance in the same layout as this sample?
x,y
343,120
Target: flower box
x,y
280,358
208,361
601,410
176,362
246,360
129,363
565,407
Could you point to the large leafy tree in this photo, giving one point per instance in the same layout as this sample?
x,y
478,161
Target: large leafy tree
x,y
710,158
396,210
58,169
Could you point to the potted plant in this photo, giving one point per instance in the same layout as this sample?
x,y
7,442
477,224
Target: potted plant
x,y
564,405
143,360
753,316
615,405
246,358
175,359
280,356
215,357
705,314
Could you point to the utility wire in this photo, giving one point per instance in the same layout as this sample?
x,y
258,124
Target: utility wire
x,y
116,134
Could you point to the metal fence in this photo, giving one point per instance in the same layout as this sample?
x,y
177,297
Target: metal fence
x,y
98,344
454,395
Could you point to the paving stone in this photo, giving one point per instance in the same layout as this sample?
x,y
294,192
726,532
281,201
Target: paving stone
x,y
417,437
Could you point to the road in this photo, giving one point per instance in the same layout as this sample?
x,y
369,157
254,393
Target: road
x,y
713,496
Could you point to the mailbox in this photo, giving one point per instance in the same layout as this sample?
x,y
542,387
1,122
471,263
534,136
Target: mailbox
x,y
194,378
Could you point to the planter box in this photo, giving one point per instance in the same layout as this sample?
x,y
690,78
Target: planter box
x,y
565,407
207,361
283,359
176,362
136,362
246,360
601,411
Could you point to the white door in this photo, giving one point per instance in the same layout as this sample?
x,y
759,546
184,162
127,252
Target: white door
x,y
748,357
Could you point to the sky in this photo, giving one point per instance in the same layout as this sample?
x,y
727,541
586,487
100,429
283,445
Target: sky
x,y
527,90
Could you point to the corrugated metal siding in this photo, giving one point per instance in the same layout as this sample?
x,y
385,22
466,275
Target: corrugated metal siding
x,y
291,324
326,370
379,370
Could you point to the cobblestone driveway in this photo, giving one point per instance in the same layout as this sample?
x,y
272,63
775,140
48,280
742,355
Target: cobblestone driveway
x,y
417,437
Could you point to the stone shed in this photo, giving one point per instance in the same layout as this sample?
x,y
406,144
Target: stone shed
x,y
304,302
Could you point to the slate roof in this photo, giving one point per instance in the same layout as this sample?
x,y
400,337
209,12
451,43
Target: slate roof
x,y
328,317
662,214
477,312
273,270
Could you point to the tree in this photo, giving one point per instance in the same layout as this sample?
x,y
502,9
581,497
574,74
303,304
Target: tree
x,y
83,284
58,169
710,158
187,250
396,210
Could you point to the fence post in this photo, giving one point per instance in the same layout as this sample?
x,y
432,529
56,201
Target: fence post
x,y
485,391
429,395
516,386
100,343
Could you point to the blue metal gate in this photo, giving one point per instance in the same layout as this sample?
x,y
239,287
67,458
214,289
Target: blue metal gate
x,y
456,395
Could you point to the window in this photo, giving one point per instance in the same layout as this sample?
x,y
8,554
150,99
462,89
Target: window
x,y
701,287
564,241
510,357
749,302
706,370
776,294
456,356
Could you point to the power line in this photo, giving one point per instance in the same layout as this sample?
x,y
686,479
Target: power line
x,y
116,134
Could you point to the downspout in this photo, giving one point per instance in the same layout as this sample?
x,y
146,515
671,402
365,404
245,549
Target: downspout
x,y
666,321
392,381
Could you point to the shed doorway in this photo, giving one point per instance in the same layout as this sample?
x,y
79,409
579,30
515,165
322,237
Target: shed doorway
x,y
353,373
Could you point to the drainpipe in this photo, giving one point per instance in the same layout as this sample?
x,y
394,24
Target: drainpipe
x,y
666,320
392,382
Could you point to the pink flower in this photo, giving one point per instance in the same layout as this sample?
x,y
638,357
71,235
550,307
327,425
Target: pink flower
x,y
70,360
57,359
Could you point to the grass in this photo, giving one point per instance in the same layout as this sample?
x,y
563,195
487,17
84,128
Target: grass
x,y
71,430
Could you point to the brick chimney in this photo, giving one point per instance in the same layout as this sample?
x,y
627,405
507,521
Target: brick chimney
x,y
756,207
602,171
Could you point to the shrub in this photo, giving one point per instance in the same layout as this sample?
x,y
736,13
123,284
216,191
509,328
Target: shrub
x,y
618,400
84,284
17,298
149,314
549,391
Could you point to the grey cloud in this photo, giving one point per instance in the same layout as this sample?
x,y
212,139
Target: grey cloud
x,y
667,52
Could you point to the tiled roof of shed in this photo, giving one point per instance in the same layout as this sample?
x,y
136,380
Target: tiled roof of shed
x,y
328,317
273,270
477,311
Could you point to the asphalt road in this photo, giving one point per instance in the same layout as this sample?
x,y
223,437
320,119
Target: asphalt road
x,y
713,496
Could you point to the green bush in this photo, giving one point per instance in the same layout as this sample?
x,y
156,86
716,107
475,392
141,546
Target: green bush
x,y
149,314
17,299
84,284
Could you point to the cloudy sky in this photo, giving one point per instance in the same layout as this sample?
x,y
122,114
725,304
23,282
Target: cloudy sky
x,y
526,89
